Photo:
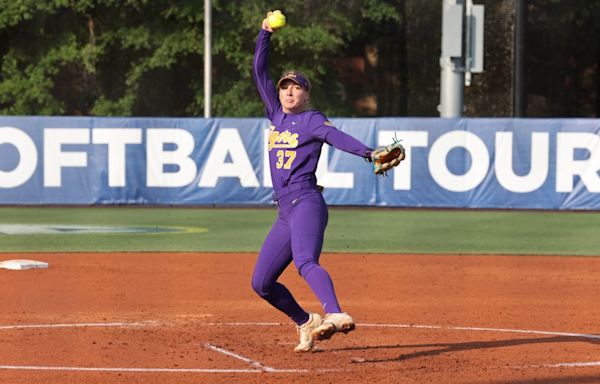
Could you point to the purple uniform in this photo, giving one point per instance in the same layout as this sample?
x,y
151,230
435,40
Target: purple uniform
x,y
294,145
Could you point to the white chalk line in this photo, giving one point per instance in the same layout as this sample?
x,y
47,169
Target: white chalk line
x,y
423,326
568,334
243,324
581,364
487,329
463,328
259,367
254,363
266,324
508,330
109,369
76,325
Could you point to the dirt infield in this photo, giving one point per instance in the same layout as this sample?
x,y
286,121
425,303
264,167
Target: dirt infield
x,y
193,318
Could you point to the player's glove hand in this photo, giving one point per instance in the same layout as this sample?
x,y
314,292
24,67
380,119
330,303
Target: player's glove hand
x,y
385,158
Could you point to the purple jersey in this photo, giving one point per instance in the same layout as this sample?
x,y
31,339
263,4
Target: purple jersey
x,y
295,139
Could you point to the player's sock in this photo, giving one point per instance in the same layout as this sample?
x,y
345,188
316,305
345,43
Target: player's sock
x,y
283,300
320,282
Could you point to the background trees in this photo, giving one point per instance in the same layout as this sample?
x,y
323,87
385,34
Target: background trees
x,y
365,58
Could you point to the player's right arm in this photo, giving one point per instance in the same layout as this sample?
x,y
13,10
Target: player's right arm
x,y
260,72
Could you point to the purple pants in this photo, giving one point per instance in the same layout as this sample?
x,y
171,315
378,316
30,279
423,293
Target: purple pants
x,y
296,235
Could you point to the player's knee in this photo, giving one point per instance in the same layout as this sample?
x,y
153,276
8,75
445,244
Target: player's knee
x,y
260,288
306,267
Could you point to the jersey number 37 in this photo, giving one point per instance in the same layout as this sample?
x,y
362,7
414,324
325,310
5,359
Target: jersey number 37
x,y
285,159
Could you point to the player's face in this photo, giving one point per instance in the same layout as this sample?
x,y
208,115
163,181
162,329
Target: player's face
x,y
293,97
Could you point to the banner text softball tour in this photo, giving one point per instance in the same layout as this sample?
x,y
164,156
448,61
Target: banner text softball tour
x,y
457,160
456,163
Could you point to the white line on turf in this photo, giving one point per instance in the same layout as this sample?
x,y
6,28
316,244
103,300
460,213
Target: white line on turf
x,y
557,365
561,365
254,363
263,368
485,329
259,367
109,369
243,324
422,326
76,325
569,334
263,324
400,326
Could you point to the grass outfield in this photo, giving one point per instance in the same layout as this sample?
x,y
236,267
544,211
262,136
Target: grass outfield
x,y
350,230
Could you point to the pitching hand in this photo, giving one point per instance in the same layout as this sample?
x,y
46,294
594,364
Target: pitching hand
x,y
265,23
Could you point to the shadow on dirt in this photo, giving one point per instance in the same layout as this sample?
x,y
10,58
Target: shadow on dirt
x,y
554,380
442,348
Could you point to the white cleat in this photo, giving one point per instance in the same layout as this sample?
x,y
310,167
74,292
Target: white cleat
x,y
306,332
333,323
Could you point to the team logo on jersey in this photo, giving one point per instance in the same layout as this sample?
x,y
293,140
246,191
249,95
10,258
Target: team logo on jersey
x,y
284,139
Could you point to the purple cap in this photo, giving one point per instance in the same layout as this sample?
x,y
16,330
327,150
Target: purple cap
x,y
297,77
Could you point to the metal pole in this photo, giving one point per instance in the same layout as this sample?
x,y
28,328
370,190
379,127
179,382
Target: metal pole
x,y
451,87
451,61
207,58
468,53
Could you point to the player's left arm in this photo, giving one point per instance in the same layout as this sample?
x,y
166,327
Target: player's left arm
x,y
383,159
325,131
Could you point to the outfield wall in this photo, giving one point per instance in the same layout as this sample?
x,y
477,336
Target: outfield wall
x,y
475,163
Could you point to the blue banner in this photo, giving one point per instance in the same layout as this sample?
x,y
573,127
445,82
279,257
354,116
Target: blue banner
x,y
455,163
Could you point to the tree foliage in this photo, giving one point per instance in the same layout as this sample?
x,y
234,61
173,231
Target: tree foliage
x,y
98,57
364,57
141,57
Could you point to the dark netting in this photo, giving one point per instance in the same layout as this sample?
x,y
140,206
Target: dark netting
x,y
393,70
491,92
563,58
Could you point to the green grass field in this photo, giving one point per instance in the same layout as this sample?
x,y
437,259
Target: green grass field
x,y
350,230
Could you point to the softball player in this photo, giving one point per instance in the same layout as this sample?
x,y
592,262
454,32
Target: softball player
x,y
295,140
